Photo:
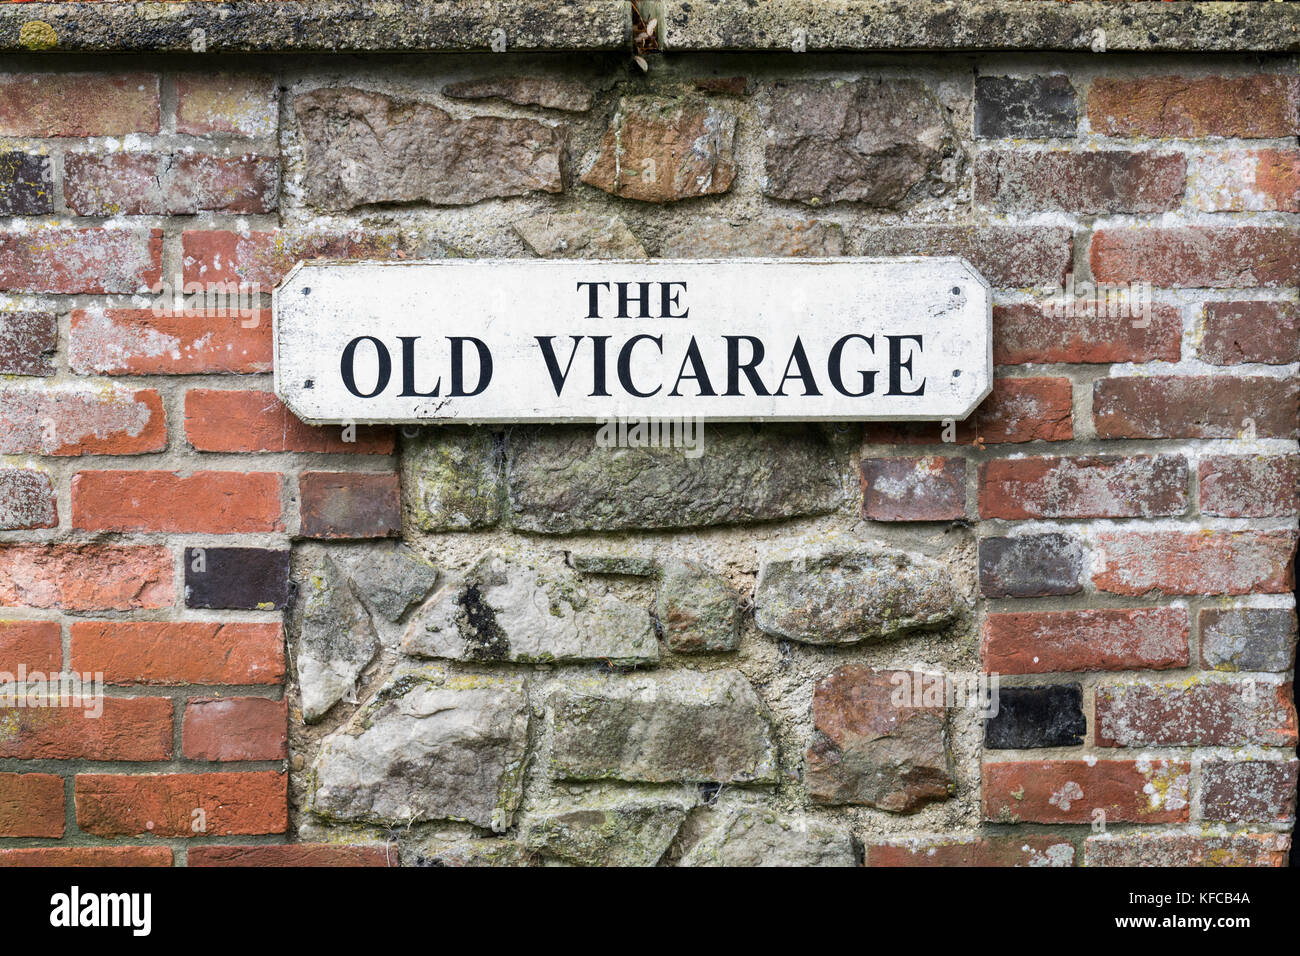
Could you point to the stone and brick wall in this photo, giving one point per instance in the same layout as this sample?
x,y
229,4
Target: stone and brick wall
x,y
372,645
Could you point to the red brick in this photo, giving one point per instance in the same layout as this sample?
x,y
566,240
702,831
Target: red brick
x,y
31,805
67,260
137,728
1007,256
263,258
81,420
1260,106
1176,849
292,854
1095,486
350,505
78,104
1109,181
1206,714
181,652
914,489
1026,850
1250,486
164,805
239,421
1249,791
1204,562
219,103
1239,332
28,341
1173,406
138,342
183,183
1017,410
1255,180
1068,791
45,856
235,728
36,645
1032,332
1041,642
27,500
212,502
1197,256
85,577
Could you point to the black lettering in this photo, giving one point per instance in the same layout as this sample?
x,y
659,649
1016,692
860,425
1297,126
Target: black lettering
x,y
667,301
458,365
552,364
408,370
897,365
735,366
835,371
800,358
347,369
593,307
625,364
701,375
642,300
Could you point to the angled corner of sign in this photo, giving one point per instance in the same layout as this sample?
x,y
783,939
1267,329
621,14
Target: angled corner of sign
x,y
974,273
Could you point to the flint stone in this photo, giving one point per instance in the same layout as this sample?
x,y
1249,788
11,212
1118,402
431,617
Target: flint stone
x,y
579,235
846,592
507,610
759,837
560,481
428,748
550,92
697,609
451,475
688,726
389,579
336,639
633,833
364,147
868,749
868,141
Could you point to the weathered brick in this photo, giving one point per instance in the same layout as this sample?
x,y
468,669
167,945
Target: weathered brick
x,y
1249,791
1176,849
138,342
1256,180
1095,486
78,104
248,421
1031,565
1259,106
1238,332
137,728
262,259
1009,256
291,855
1039,642
27,500
209,104
1081,332
350,504
81,420
1069,791
1207,713
914,489
1248,638
1017,410
31,805
36,645
27,342
164,805
1250,486
1025,107
62,259
1111,181
85,577
25,184
235,728
210,653
212,502
1197,256
81,856
182,183
1173,406
237,578
1041,716
1021,850
1205,562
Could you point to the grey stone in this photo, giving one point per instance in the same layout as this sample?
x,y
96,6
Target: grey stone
x,y
1025,106
1248,638
752,836
561,481
626,833
579,235
686,726
494,851
364,147
389,578
843,592
336,639
451,478
1045,716
868,141
771,236
697,609
509,609
630,564
551,92
428,747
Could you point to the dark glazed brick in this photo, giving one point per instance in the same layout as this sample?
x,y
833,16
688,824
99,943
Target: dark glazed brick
x,y
350,505
244,579
25,185
1050,716
27,340
1032,106
1033,565
1248,638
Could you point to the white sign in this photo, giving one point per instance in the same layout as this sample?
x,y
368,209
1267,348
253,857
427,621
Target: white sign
x,y
533,340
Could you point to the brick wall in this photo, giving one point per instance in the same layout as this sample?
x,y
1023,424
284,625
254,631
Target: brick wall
x,y
1114,529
